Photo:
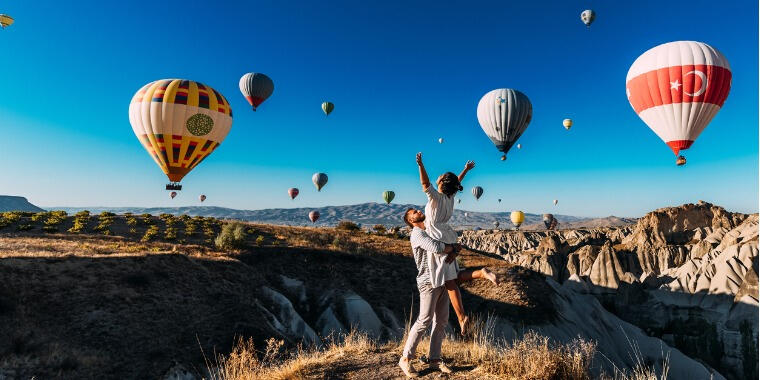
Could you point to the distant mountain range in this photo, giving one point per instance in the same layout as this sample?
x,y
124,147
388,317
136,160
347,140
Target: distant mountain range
x,y
366,214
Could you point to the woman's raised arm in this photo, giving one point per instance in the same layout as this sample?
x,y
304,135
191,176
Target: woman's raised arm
x,y
424,180
467,166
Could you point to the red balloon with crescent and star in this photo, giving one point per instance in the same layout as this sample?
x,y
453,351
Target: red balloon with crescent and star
x,y
677,88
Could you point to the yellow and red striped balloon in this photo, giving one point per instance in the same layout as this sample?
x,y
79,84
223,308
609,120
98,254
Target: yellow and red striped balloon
x,y
179,122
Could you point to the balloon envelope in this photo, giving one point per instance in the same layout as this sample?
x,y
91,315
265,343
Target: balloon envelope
x,y
677,88
319,179
567,123
293,192
327,107
504,114
388,196
477,191
173,194
202,197
440,140
313,216
555,202
519,146
179,122
588,17
517,218
5,20
256,88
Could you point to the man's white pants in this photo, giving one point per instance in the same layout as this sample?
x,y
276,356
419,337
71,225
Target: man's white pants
x,y
434,309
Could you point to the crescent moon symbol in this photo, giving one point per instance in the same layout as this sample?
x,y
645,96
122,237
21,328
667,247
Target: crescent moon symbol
x,y
704,82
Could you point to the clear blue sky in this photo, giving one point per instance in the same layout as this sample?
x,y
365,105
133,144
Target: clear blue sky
x,y
401,75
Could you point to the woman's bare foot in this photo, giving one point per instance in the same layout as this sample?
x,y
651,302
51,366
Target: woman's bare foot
x,y
490,276
464,324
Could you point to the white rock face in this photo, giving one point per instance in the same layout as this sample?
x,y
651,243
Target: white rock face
x,y
359,313
703,259
289,322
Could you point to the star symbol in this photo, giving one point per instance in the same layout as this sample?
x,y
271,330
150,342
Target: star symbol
x,y
675,85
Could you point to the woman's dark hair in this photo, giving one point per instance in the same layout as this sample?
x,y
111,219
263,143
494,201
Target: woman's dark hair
x,y
449,183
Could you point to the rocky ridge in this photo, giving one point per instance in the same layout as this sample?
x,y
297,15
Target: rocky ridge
x,y
685,274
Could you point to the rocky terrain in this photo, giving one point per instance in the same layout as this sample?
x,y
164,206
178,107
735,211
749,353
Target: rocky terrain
x,y
143,296
366,214
686,275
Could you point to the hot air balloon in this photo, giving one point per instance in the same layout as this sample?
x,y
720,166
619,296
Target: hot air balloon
x,y
459,201
388,196
555,202
499,200
256,88
173,194
548,219
440,140
202,197
677,88
179,122
313,216
504,114
327,107
465,215
517,218
5,21
496,224
567,123
588,17
519,146
319,179
293,192
477,191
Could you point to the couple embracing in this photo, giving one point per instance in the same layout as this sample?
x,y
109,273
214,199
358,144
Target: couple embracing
x,y
434,244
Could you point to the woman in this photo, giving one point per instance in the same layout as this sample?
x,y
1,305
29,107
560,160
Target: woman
x,y
438,211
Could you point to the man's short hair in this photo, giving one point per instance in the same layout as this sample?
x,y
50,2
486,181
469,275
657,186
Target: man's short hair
x,y
406,217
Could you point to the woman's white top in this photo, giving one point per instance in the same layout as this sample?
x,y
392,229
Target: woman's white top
x,y
438,211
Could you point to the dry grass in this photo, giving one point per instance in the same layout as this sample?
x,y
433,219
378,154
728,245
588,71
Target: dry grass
x,y
531,358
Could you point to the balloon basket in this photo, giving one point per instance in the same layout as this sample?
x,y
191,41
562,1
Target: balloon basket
x,y
680,161
173,186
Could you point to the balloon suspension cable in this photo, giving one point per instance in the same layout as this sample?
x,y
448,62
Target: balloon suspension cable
x,y
175,186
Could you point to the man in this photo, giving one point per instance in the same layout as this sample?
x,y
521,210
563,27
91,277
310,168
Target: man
x,y
434,302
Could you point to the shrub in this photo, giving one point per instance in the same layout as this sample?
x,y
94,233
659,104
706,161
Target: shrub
x,y
50,228
347,225
343,243
106,214
55,218
105,220
24,227
131,221
80,221
150,234
170,233
259,240
147,219
39,216
232,237
379,228
11,217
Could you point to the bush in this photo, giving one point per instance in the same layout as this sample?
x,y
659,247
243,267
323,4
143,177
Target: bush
x,y
50,229
232,237
150,234
343,243
170,233
80,221
39,216
24,227
259,240
147,219
379,228
347,225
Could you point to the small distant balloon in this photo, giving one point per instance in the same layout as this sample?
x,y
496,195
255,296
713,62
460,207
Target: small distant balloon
x,y
567,123
256,88
173,194
477,191
499,200
440,140
555,202
293,192
5,21
519,146
517,218
319,179
327,107
459,201
202,197
388,196
465,215
313,216
588,17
